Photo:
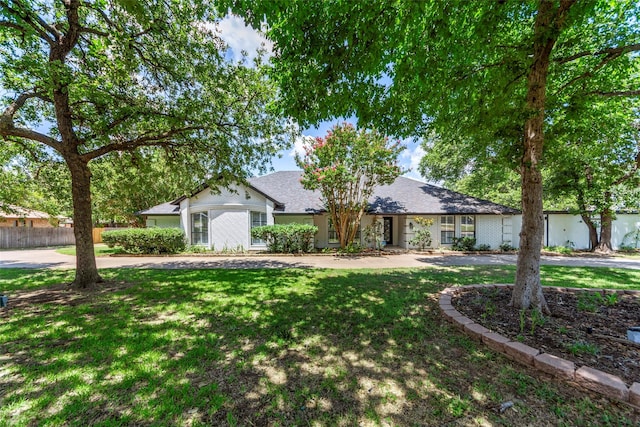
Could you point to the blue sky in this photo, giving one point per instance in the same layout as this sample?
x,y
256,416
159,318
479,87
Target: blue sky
x,y
240,38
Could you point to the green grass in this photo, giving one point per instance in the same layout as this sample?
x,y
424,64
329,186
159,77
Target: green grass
x,y
271,347
99,249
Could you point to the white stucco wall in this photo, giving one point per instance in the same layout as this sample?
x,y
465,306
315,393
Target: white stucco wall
x,y
229,230
624,225
566,230
491,230
564,227
163,221
409,232
229,214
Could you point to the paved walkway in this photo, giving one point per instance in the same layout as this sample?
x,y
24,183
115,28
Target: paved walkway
x,y
49,258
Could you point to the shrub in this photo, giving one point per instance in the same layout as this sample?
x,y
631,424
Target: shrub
x,y
422,237
373,234
506,247
463,243
564,250
484,247
352,248
146,240
286,238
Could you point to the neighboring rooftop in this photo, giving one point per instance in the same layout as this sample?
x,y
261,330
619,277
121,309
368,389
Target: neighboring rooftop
x,y
20,212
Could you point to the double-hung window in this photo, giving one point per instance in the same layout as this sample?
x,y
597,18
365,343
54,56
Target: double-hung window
x,y
447,229
258,219
467,226
199,228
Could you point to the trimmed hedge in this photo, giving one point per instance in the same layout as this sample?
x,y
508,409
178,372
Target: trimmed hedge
x,y
147,240
286,238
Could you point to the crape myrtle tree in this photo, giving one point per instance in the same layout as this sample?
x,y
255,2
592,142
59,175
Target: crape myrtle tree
x,y
479,73
345,167
90,78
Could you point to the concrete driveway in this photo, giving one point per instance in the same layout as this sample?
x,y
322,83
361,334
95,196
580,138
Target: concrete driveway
x,y
49,258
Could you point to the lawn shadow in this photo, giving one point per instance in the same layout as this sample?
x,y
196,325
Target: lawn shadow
x,y
223,262
263,347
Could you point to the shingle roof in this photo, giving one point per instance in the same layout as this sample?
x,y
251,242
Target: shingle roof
x,y
404,196
20,212
407,195
168,208
286,187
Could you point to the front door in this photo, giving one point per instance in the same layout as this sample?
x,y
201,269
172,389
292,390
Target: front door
x,y
387,229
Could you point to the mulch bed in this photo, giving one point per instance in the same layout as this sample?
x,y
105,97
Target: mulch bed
x,y
586,327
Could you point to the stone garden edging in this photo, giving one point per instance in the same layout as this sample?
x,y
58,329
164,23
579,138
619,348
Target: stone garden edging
x,y
591,379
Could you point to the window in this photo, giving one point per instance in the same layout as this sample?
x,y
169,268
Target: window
x,y
199,228
258,219
333,234
467,226
447,229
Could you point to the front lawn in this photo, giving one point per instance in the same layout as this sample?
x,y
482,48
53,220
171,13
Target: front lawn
x,y
100,249
271,347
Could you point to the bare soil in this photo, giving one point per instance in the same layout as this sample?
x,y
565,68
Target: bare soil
x,y
586,327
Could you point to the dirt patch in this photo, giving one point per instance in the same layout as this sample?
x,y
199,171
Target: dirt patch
x,y
586,327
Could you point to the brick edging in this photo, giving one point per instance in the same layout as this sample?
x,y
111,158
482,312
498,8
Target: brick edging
x,y
611,386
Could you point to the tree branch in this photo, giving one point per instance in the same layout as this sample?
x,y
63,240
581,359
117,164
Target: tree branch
x,y
94,31
71,38
13,25
609,51
615,93
12,131
47,32
159,140
590,73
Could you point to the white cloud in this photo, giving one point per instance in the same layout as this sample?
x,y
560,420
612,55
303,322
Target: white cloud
x,y
299,144
410,159
241,37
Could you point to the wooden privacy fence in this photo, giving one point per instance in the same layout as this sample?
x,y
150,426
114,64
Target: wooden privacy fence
x,y
28,237
97,232
97,235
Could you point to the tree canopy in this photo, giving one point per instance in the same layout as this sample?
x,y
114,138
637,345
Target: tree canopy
x,y
481,75
86,79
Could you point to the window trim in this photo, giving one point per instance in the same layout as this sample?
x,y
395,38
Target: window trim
x,y
446,236
257,242
464,233
204,232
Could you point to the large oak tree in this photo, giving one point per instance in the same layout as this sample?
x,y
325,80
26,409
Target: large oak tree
x,y
90,78
478,72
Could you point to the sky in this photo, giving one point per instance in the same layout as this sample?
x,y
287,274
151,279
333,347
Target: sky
x,y
241,37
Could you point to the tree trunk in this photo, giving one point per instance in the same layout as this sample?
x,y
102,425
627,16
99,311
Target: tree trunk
x,y
593,231
606,224
527,292
86,270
